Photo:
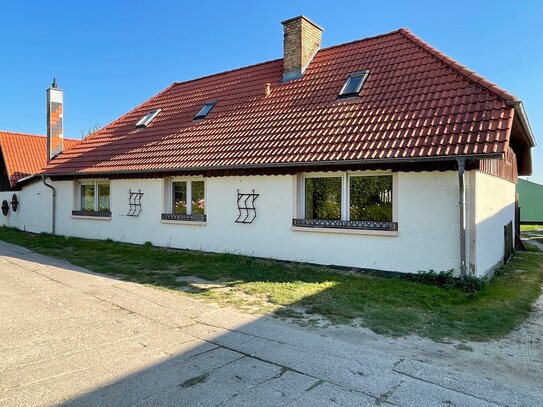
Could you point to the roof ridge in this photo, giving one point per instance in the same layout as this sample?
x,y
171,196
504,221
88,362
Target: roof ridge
x,y
363,39
227,71
15,133
106,127
279,59
470,75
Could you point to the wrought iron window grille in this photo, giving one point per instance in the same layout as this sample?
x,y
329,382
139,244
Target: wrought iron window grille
x,y
96,214
346,224
196,217
134,203
246,207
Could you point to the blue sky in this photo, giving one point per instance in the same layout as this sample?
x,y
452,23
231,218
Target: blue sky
x,y
110,56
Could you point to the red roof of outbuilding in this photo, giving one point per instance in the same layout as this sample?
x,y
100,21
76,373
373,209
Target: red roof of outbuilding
x,y
25,154
416,103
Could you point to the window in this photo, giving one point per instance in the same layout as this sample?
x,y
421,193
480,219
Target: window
x,y
323,198
205,110
94,197
353,85
186,200
347,200
370,198
148,118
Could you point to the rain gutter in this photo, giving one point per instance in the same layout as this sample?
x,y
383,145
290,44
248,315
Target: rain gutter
x,y
53,215
462,211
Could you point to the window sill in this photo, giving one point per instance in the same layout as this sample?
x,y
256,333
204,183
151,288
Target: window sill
x,y
341,226
184,222
184,219
391,233
91,215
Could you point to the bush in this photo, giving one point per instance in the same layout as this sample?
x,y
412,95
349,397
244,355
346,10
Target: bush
x,y
446,279
471,284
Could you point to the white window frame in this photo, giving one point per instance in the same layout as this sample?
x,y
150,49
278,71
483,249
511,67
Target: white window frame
x,y
301,208
168,199
77,197
351,174
299,205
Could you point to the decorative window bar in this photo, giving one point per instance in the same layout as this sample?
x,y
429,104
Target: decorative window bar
x,y
134,203
98,214
346,224
246,207
197,217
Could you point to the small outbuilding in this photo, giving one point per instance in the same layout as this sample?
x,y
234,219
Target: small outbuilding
x,y
530,202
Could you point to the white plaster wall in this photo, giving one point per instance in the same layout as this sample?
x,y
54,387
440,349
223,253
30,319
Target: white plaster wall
x,y
427,216
34,210
494,208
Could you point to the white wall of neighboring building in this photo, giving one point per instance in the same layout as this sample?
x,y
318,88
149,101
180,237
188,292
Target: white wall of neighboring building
x,y
494,208
427,213
34,210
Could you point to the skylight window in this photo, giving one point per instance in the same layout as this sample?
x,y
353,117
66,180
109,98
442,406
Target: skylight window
x,y
148,118
205,110
354,84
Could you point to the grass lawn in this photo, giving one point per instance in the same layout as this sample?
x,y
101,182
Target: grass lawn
x,y
387,305
529,228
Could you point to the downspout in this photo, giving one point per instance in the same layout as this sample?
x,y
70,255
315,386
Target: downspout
x,y
53,218
462,210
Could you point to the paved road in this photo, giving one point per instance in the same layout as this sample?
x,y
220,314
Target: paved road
x,y
70,337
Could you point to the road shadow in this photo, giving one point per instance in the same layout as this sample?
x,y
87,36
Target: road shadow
x,y
215,356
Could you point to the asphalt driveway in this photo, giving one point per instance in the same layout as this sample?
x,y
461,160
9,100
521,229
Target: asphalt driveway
x,y
70,337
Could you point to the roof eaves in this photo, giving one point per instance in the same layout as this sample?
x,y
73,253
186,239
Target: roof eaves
x,y
523,117
461,69
21,181
278,165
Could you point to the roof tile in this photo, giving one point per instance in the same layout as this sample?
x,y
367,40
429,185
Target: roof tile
x,y
25,154
416,102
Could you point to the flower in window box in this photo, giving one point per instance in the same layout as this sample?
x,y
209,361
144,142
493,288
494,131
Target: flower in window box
x,y
201,203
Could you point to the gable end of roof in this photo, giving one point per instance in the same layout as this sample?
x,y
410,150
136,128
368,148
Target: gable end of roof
x,y
461,69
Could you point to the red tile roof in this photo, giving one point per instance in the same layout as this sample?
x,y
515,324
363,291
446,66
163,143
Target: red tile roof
x,y
25,154
416,103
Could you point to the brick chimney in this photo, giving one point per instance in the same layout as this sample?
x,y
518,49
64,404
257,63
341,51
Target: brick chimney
x,y
55,136
302,40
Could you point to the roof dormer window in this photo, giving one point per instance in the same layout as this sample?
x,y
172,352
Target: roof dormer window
x,y
148,118
354,84
205,110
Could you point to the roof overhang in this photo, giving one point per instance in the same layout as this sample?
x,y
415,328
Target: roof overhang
x,y
521,138
315,165
523,117
21,181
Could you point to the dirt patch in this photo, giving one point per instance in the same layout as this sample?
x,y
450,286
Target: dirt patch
x,y
225,293
193,283
516,358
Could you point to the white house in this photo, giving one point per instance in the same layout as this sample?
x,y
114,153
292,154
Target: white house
x,y
382,153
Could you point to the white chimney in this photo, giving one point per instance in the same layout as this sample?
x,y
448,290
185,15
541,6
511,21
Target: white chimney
x,y
55,136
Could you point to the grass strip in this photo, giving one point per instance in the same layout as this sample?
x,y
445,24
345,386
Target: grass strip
x,y
387,305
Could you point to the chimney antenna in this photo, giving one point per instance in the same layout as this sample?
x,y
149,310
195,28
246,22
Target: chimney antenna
x,y
54,84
